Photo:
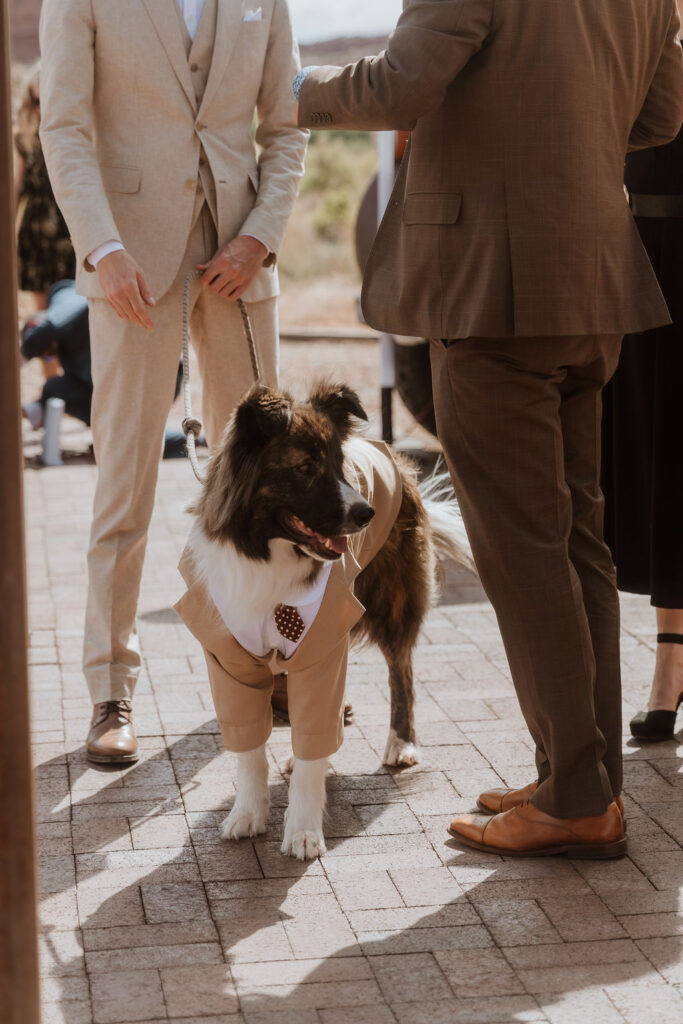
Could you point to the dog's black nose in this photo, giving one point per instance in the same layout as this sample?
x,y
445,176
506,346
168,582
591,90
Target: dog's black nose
x,y
361,513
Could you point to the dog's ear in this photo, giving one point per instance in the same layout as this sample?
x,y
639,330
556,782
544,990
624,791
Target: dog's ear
x,y
340,403
264,413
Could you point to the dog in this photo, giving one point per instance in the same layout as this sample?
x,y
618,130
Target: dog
x,y
286,497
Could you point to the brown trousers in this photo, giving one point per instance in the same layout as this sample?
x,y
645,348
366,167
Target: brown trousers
x,y
134,373
520,423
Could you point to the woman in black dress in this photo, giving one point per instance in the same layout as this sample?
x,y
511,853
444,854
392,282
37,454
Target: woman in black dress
x,y
642,461
44,247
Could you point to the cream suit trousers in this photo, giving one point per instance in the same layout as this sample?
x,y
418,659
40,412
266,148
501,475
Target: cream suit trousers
x,y
134,373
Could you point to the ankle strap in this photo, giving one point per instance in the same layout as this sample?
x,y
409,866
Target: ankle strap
x,y
670,638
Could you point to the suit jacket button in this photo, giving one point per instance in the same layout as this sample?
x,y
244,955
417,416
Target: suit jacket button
x,y
194,67
191,183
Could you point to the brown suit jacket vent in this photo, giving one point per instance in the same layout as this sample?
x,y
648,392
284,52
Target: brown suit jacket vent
x,y
509,216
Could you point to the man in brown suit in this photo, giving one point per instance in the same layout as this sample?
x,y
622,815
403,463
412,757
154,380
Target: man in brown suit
x,y
508,241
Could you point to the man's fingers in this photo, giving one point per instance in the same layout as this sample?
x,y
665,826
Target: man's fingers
x,y
118,308
217,276
139,312
232,292
225,280
129,305
145,292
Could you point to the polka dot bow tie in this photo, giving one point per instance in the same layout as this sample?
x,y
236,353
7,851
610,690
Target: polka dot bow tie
x,y
289,623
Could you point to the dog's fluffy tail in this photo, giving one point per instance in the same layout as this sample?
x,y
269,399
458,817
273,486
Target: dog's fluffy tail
x,y
443,511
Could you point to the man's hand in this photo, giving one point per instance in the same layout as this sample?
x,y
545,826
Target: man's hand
x,y
234,267
125,288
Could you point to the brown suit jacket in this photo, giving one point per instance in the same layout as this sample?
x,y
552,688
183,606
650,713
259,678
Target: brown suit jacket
x,y
509,215
241,682
122,131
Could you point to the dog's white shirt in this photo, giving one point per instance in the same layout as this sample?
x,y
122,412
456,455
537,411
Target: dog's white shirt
x,y
261,635
246,593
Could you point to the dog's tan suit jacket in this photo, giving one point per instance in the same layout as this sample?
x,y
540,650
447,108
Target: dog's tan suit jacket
x,y
241,682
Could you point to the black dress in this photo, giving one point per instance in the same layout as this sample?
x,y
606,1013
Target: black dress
x,y
44,247
643,407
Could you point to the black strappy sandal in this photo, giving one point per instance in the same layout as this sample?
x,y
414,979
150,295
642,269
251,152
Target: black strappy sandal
x,y
657,725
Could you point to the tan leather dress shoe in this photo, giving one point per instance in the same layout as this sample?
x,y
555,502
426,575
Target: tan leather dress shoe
x,y
112,739
494,801
281,706
525,831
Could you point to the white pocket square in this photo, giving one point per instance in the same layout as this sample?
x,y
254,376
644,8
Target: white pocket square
x,y
256,15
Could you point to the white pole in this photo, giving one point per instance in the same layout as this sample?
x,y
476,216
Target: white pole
x,y
386,144
52,448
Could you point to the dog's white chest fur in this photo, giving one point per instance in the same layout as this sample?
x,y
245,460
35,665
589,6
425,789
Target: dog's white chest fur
x,y
247,592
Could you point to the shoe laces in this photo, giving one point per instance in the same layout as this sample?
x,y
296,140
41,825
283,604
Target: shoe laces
x,y
119,705
122,708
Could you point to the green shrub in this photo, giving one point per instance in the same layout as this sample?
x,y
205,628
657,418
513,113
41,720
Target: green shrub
x,y
333,213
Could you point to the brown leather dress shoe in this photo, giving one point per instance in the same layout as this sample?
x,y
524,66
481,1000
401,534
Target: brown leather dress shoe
x,y
112,739
281,706
494,801
525,831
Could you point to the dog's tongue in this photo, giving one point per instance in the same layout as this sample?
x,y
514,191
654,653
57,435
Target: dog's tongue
x,y
340,544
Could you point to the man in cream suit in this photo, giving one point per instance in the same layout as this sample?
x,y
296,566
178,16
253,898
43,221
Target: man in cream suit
x,y
148,108
508,241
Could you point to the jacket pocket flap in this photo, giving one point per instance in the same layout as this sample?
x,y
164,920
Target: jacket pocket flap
x,y
122,179
432,208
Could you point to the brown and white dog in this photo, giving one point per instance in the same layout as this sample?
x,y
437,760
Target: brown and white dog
x,y
283,497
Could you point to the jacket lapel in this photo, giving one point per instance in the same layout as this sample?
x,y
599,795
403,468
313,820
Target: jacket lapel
x,y
165,22
339,612
199,614
228,28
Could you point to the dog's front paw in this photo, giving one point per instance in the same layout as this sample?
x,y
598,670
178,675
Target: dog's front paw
x,y
304,844
400,753
244,821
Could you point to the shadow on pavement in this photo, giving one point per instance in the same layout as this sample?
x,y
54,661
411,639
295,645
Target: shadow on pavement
x,y
163,909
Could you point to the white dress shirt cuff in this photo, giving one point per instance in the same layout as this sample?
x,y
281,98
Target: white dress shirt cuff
x,y
113,245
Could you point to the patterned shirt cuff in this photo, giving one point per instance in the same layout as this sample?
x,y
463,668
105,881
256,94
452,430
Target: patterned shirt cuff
x,y
301,78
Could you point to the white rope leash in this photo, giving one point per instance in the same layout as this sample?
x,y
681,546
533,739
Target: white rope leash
x,y
192,427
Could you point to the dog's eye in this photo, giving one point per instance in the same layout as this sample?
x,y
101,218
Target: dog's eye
x,y
304,468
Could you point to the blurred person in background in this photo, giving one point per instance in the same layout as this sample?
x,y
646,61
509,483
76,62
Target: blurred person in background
x,y
642,462
148,110
44,249
62,331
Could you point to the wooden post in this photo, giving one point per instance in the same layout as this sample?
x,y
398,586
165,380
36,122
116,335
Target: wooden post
x,y
19,994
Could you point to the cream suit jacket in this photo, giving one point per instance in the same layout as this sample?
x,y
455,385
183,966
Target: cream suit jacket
x,y
121,130
509,215
241,682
